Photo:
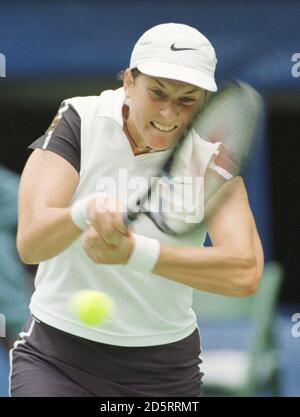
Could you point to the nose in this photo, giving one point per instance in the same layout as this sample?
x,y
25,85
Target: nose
x,y
169,110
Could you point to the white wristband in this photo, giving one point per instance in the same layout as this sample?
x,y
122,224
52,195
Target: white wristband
x,y
145,254
79,213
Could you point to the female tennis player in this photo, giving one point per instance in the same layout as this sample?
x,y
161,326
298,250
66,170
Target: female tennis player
x,y
71,224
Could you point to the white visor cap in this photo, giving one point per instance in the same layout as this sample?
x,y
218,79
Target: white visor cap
x,y
178,52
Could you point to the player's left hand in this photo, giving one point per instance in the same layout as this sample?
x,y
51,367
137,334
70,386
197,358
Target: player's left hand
x,y
100,252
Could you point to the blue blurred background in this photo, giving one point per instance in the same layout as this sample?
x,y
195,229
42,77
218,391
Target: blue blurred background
x,y
60,49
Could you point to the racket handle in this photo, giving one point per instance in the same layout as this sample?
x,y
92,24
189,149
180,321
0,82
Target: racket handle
x,y
129,217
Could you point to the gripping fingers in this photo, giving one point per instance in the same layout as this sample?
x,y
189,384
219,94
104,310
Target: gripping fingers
x,y
106,216
112,232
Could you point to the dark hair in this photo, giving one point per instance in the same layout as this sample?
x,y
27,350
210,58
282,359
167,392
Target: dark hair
x,y
134,71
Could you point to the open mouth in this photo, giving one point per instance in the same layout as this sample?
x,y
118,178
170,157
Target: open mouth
x,y
163,128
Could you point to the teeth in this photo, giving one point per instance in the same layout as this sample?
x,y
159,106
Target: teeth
x,y
163,128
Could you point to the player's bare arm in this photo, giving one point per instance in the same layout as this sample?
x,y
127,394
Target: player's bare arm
x,y
233,266
45,226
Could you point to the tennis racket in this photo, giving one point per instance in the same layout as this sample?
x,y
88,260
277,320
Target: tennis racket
x,y
230,122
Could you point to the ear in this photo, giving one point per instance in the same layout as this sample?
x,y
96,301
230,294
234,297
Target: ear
x,y
128,82
208,96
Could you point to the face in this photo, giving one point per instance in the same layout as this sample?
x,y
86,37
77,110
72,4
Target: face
x,y
160,109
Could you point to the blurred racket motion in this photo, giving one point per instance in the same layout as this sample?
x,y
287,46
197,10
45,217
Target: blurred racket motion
x,y
231,122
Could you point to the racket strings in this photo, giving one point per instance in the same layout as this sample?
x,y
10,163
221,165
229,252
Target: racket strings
x,y
190,188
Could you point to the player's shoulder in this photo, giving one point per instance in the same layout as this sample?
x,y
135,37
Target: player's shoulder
x,y
204,144
203,147
81,102
106,100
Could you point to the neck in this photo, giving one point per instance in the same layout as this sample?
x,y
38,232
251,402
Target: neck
x,y
137,148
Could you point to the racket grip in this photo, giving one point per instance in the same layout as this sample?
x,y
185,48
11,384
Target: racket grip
x,y
129,218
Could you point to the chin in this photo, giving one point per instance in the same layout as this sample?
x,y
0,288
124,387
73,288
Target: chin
x,y
160,143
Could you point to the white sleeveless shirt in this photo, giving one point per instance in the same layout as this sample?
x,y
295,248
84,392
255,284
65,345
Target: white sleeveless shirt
x,y
149,309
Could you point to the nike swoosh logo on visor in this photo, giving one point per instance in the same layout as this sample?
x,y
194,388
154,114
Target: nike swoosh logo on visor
x,y
173,48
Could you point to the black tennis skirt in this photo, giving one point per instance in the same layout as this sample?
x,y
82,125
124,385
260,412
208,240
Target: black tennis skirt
x,y
48,362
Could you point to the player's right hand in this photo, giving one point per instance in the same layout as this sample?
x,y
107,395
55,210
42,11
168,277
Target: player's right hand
x,y
105,214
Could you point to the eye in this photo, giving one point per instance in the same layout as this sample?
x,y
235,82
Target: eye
x,y
158,93
187,101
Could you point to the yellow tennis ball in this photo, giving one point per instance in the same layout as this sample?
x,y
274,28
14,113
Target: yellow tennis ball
x,y
91,307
